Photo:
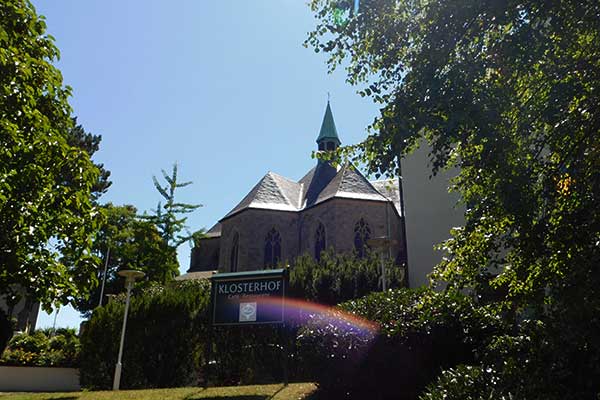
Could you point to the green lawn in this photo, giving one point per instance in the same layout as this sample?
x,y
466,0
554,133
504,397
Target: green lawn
x,y
294,391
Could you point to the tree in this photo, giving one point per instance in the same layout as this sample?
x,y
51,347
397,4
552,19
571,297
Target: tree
x,y
169,217
134,244
90,143
45,184
508,92
336,278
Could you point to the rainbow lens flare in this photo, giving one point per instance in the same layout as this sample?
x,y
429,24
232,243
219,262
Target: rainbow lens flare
x,y
301,312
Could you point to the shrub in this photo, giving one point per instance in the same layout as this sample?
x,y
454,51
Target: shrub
x,y
336,278
43,348
6,331
421,332
166,332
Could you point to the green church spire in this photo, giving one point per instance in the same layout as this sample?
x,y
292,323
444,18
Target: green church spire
x,y
328,133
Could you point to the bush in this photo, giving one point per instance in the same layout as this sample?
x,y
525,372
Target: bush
x,y
6,331
421,332
164,341
43,348
531,362
336,278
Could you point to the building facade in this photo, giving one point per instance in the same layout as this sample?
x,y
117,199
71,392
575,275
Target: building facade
x,y
280,219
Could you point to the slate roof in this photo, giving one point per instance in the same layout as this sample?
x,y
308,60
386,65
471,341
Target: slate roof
x,y
272,192
390,189
215,231
195,275
323,182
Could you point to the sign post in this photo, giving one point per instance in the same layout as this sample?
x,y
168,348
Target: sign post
x,y
250,298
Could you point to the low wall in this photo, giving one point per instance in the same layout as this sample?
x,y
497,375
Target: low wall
x,y
38,379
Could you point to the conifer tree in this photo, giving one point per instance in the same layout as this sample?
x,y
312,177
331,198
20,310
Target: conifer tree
x,y
169,217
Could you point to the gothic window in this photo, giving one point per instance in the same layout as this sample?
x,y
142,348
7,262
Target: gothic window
x,y
330,146
320,242
234,253
272,248
362,233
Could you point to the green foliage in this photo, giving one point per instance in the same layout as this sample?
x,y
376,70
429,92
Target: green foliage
x,y
164,342
43,348
168,217
247,354
6,331
420,333
45,184
508,93
134,244
340,277
90,143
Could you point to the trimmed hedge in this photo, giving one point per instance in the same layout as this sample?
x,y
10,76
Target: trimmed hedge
x,y
166,330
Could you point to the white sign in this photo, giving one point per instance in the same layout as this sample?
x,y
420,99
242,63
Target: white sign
x,y
247,312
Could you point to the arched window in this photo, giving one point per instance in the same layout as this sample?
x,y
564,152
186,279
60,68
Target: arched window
x,y
362,233
272,248
320,241
234,253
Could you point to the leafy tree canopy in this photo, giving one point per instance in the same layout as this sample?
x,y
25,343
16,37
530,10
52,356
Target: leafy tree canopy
x,y
508,91
134,244
45,183
90,143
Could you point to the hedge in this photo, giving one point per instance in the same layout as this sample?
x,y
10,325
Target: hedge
x,y
166,329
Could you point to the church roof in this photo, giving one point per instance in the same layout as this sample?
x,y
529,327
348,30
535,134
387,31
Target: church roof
x,y
323,182
272,192
328,129
390,189
350,183
215,231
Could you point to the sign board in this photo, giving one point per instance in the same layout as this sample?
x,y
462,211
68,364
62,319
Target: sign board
x,y
244,298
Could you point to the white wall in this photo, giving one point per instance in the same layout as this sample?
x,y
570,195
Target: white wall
x,y
430,213
39,379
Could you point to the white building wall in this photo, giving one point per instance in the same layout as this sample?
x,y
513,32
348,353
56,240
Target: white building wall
x,y
430,213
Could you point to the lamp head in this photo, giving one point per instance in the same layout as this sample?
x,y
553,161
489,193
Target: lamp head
x,y
131,275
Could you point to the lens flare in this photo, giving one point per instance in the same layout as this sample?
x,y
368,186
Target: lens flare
x,y
299,312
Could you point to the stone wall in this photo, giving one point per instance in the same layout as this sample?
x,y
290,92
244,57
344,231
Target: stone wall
x,y
252,225
206,256
298,230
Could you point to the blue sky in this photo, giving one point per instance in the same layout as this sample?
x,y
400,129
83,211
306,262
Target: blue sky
x,y
225,88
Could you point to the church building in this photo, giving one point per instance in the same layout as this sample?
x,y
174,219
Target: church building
x,y
280,219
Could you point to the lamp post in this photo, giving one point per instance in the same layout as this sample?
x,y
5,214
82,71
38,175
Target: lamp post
x,y
130,276
382,243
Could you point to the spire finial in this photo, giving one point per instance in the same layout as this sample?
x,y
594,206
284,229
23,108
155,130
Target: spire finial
x,y
328,96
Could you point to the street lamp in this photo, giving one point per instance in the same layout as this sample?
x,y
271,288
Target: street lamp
x,y
382,243
130,276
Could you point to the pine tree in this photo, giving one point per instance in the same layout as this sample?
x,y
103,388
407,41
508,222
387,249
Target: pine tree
x,y
169,217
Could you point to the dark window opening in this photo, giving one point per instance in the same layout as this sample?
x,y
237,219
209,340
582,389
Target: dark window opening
x,y
321,146
233,266
362,233
320,241
330,146
272,248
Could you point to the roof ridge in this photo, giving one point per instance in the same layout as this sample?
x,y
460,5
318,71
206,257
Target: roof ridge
x,y
283,191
